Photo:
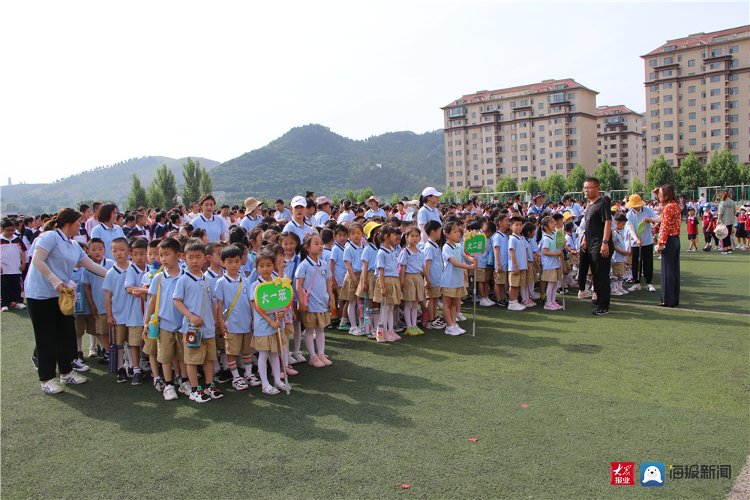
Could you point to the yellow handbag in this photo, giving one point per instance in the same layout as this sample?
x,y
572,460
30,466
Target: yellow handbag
x,y
67,301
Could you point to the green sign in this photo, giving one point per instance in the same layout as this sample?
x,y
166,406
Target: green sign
x,y
560,239
274,296
475,243
640,228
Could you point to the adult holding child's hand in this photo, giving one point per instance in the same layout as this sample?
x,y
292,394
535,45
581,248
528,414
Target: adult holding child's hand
x,y
56,254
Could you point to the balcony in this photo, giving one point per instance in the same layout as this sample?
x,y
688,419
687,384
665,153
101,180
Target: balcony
x,y
457,112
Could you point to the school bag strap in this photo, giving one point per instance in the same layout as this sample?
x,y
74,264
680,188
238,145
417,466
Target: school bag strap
x,y
234,301
158,294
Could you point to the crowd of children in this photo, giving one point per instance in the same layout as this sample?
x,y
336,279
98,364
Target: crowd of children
x,y
179,290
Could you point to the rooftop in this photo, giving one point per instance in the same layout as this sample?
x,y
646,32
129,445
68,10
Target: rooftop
x,y
699,39
521,90
614,110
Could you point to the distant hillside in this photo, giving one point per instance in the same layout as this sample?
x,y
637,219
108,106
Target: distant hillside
x,y
106,183
314,158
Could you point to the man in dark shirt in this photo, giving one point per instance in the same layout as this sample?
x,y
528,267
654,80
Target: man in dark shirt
x,y
596,244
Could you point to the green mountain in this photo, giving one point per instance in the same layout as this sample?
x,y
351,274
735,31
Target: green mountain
x,y
312,158
106,183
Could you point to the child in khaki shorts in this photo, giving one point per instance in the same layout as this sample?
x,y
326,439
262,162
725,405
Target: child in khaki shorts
x,y
235,317
137,294
193,298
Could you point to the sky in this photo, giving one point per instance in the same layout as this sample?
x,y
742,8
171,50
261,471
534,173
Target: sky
x,y
94,83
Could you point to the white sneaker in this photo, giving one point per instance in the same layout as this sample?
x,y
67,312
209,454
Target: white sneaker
x,y
651,288
615,291
584,294
355,331
20,306
252,380
460,330
514,305
52,386
5,309
185,388
452,331
460,317
635,288
535,295
80,366
433,325
169,393
73,378
622,290
298,357
486,302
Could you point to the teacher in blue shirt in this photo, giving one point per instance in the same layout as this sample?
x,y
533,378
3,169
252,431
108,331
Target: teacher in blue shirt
x,y
55,256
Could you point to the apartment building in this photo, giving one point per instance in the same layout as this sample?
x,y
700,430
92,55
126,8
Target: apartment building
x,y
619,140
527,131
698,96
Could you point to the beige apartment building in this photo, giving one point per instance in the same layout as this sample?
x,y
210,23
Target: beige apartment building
x,y
527,131
698,96
619,140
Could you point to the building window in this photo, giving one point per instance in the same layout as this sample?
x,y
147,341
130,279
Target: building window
x,y
692,115
691,63
715,78
715,145
667,124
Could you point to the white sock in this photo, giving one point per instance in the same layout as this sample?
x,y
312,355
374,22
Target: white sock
x,y
551,291
320,341
310,341
263,367
352,312
275,368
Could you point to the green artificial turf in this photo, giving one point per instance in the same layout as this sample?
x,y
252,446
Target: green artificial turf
x,y
642,384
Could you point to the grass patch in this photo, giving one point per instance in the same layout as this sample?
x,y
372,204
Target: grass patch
x,y
643,383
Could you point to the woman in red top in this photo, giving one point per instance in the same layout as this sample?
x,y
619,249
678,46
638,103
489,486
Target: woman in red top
x,y
669,246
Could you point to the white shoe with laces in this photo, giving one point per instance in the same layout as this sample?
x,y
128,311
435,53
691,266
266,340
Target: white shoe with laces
x,y
169,393
185,388
52,386
73,378
651,288
486,302
460,317
635,288
514,305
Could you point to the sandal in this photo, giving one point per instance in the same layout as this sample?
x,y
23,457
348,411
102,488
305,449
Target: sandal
x,y
240,384
270,390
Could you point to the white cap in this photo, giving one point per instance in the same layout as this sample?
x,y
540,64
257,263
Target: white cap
x,y
298,201
431,191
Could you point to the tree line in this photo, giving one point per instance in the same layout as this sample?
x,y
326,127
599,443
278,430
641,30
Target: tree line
x,y
162,192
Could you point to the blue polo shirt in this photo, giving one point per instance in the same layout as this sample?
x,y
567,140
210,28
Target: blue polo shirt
x,y
377,213
169,317
387,259
64,256
300,230
95,283
137,305
248,223
412,260
240,318
114,281
519,246
434,256
215,227
453,276
314,276
500,241
353,255
549,243
107,234
197,297
369,255
339,268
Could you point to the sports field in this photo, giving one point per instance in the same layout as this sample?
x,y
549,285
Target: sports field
x,y
552,398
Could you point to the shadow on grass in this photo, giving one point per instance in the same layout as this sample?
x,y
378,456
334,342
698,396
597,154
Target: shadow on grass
x,y
352,393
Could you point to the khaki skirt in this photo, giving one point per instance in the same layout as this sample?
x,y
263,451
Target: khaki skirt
x,y
392,291
413,289
455,293
268,342
370,286
348,291
551,275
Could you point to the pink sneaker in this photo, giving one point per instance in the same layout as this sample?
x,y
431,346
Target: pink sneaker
x,y
553,306
530,303
392,337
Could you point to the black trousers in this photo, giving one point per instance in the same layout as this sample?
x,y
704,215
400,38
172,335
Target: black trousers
x,y
10,289
599,274
55,336
583,270
670,272
646,268
726,242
